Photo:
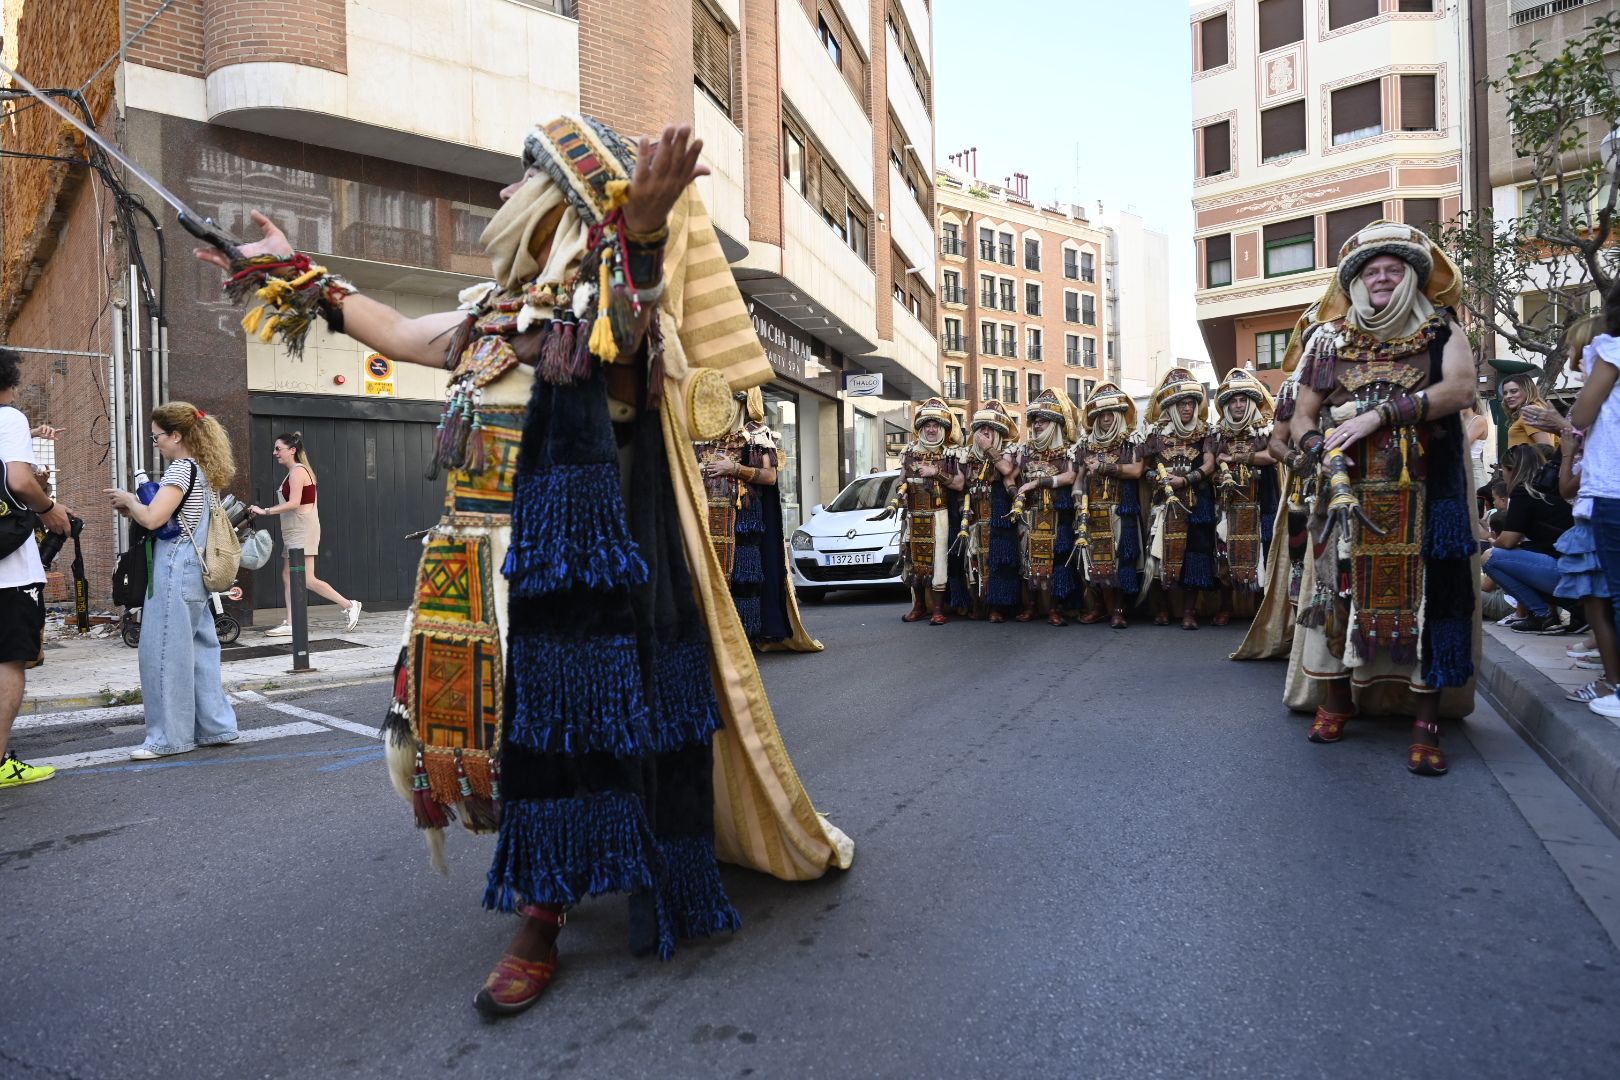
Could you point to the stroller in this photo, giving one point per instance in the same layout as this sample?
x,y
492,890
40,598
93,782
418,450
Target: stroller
x,y
134,567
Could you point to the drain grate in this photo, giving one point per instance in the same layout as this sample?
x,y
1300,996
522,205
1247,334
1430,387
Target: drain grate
x,y
227,653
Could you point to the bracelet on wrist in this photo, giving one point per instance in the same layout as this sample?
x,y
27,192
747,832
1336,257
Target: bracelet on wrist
x,y
291,292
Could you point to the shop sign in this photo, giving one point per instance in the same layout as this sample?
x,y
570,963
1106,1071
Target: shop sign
x,y
865,384
379,376
785,345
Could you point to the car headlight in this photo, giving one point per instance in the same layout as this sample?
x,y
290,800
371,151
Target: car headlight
x,y
802,541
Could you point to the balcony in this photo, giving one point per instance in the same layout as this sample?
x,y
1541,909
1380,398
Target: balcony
x,y
1071,357
1034,352
1009,303
822,97
1071,313
913,355
1032,307
953,294
821,277
987,299
1088,358
1032,263
953,343
952,245
1009,394
908,105
955,390
723,153
912,232
987,250
989,348
1071,270
1006,253
1009,348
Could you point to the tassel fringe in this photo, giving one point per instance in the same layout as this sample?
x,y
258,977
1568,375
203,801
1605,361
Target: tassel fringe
x,y
684,708
692,900
559,851
578,696
569,528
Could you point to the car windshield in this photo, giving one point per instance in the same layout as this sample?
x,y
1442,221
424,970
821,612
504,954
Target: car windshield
x,y
867,493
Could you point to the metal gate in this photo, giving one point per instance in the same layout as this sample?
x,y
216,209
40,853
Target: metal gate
x,y
370,459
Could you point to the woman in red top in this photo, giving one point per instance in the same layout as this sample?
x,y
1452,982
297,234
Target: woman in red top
x,y
301,528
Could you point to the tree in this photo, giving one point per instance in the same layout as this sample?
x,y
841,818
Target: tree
x,y
1564,244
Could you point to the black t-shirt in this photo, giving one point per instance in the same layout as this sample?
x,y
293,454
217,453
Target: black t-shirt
x,y
1540,523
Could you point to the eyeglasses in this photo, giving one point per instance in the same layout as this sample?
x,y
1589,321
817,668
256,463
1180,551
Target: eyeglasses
x,y
158,435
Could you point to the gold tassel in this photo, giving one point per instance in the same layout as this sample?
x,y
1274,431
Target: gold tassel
x,y
618,193
268,331
1406,476
602,343
251,321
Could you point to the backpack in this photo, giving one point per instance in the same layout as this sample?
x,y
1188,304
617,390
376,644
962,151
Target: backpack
x,y
220,551
17,522
131,577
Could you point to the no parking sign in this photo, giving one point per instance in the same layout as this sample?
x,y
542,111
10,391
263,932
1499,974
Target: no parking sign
x,y
379,376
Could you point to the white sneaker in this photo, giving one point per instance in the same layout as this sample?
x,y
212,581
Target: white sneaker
x,y
354,614
1608,705
141,753
281,630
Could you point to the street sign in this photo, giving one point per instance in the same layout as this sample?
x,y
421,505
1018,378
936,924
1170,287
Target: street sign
x,y
865,384
379,376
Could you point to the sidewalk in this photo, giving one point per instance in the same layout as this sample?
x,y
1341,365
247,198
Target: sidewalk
x,y
87,671
1526,677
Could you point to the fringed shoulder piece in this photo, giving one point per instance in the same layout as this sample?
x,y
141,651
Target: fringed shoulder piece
x,y
1286,395
1317,370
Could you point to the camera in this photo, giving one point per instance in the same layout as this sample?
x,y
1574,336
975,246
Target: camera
x,y
50,542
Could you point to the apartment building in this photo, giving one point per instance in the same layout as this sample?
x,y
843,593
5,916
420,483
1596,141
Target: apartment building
x,y
1136,284
1312,118
379,135
1021,301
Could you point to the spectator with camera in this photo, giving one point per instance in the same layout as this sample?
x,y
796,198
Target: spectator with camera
x,y
22,574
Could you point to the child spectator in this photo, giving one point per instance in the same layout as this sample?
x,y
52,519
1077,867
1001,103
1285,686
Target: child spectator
x,y
1596,422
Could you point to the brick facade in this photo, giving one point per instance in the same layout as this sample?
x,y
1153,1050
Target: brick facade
x,y
635,63
313,33
174,42
762,121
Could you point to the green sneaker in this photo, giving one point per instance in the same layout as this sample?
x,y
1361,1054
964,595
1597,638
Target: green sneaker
x,y
14,773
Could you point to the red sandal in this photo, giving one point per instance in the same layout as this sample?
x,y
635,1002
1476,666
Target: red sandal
x,y
1026,615
1329,726
1091,618
938,620
1423,759
1056,619
997,617
515,984
1222,618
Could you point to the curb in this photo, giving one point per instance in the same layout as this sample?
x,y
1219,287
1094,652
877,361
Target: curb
x,y
278,684
1580,746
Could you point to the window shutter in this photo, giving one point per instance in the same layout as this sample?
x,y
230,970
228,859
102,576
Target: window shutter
x,y
1345,12
1417,103
1343,224
1218,248
1282,130
833,199
1218,148
1358,107
1421,213
711,54
1212,35
1282,22
1289,230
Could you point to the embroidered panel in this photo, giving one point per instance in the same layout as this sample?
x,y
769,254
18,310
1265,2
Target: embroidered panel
x,y
489,493
454,584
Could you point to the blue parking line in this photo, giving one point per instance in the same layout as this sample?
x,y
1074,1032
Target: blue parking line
x,y
375,755
371,753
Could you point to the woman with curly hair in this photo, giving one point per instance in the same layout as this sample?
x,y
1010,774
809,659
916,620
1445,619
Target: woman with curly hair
x,y
185,700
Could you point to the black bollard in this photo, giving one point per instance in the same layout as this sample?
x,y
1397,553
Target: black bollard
x,y
298,615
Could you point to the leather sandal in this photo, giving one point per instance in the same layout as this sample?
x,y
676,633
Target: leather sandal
x,y
1056,619
1189,621
1423,759
1223,618
515,984
1091,618
1329,726
916,614
1026,615
1118,622
997,617
939,619
1162,619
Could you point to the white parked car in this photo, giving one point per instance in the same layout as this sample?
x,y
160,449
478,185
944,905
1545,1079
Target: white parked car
x,y
840,547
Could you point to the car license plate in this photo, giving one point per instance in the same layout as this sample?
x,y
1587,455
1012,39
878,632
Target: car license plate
x,y
851,558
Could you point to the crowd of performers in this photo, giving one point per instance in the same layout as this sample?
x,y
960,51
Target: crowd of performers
x,y
1091,513
1343,509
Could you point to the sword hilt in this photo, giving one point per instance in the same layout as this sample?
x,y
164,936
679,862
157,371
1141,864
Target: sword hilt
x,y
209,233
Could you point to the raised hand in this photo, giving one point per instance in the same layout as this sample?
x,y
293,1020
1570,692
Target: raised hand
x,y
665,169
272,242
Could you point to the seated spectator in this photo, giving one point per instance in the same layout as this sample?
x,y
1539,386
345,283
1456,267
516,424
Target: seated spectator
x,y
1523,558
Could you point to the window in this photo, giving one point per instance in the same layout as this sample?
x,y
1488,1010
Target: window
x,y
1033,344
793,162
1009,387
951,242
711,56
1343,224
1290,247
1416,5
1071,306
1088,266
1217,143
1422,213
898,291
1006,247
839,223
1358,112
1032,383
1032,253
1071,264
1071,349
987,244
1218,261
1110,349
1090,385
857,233
953,336
987,291
953,383
1032,298
1270,347
1073,387
1282,131
1088,309
990,383
1417,103
1009,301
1009,340
987,338
1088,352
951,291
1282,22
830,40
1212,43
1345,12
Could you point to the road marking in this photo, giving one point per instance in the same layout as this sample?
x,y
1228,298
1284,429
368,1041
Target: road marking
x,y
116,712
186,761
121,753
360,759
330,721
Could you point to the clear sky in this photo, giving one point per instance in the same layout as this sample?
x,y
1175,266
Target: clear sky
x,y
1113,120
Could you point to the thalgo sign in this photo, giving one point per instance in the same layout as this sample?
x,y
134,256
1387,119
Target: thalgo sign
x,y
785,347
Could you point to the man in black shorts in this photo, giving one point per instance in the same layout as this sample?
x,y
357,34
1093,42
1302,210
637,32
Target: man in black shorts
x,y
22,576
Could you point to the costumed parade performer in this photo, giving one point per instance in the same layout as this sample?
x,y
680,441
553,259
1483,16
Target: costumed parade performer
x,y
1245,486
1271,634
1389,600
745,525
1044,508
930,477
988,535
1109,526
575,677
1179,462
